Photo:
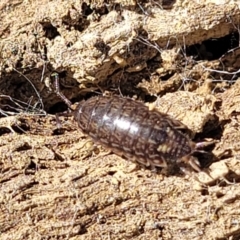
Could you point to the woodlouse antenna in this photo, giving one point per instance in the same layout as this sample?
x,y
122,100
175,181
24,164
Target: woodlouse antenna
x,y
55,75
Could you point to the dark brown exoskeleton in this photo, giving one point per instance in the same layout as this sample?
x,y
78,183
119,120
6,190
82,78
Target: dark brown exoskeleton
x,y
130,129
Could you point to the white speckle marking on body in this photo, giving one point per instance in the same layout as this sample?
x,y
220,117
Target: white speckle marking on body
x,y
126,125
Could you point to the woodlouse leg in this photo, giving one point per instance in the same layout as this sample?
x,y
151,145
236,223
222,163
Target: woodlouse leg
x,y
199,149
192,161
204,144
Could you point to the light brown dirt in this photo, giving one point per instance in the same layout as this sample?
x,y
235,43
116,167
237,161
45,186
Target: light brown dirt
x,y
54,182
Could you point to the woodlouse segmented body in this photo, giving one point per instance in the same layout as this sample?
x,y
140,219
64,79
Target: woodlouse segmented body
x,y
129,128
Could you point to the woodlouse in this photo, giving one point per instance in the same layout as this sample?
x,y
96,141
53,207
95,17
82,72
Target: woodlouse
x,y
130,129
